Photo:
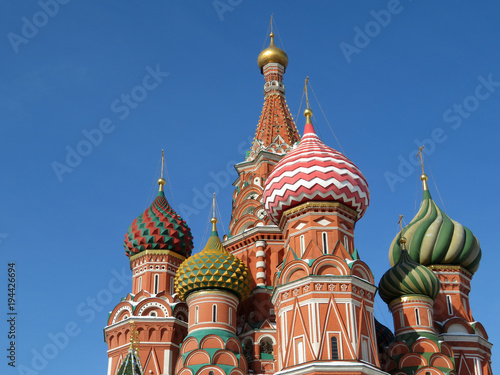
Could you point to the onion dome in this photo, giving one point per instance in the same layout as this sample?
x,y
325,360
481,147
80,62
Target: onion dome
x,y
159,228
314,172
433,238
408,277
213,268
272,54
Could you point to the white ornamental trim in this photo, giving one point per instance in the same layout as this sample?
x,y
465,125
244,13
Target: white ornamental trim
x,y
120,310
153,304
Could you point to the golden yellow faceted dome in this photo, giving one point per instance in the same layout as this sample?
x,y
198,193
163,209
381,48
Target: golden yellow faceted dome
x,y
213,268
272,54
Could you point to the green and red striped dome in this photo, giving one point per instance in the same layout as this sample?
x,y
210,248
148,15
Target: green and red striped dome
x,y
159,228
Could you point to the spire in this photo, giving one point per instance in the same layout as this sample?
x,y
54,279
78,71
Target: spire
x,y
214,221
161,180
423,177
276,131
309,128
402,240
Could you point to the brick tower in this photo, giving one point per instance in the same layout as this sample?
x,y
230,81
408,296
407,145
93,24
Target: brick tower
x,y
253,237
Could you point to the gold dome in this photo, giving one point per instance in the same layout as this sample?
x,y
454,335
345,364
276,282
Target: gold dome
x,y
272,54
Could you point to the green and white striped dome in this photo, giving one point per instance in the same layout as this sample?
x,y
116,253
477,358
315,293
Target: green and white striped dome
x,y
433,239
406,278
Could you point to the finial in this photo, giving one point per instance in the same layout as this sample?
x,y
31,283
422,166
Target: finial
x,y
402,240
423,177
214,219
307,113
134,337
161,180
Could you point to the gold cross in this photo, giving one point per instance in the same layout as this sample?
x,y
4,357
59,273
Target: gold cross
x,y
305,90
162,162
419,153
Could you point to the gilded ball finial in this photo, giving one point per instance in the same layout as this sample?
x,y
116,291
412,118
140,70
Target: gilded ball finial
x,y
308,112
213,220
161,181
423,177
272,54
402,240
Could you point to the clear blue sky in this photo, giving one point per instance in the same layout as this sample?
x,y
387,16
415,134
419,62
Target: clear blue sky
x,y
412,78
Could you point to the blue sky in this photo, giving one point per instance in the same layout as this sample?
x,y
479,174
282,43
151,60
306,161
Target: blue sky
x,y
80,156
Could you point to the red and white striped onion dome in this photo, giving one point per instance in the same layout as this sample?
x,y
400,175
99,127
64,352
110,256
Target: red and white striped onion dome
x,y
313,171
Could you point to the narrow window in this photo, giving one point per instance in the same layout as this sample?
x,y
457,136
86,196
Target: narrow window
x,y
196,314
335,348
210,373
140,284
230,316
325,243
417,317
302,245
450,306
300,352
214,313
171,285
157,281
364,347
346,243
477,365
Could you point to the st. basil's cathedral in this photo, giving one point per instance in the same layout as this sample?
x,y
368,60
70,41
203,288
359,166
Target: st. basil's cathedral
x,y
286,292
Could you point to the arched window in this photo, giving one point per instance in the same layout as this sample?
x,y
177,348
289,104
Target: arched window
x,y
335,348
346,243
324,237
450,305
266,348
210,373
139,287
214,313
302,244
157,281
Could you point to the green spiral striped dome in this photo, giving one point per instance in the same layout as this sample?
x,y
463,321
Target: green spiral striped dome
x,y
408,277
433,238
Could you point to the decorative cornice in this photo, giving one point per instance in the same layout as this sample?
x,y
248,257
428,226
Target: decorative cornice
x,y
411,298
315,206
450,268
157,252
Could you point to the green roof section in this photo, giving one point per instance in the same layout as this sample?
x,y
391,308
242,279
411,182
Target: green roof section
x,y
131,365
435,239
406,278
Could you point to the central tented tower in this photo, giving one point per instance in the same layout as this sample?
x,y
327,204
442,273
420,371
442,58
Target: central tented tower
x,y
253,237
